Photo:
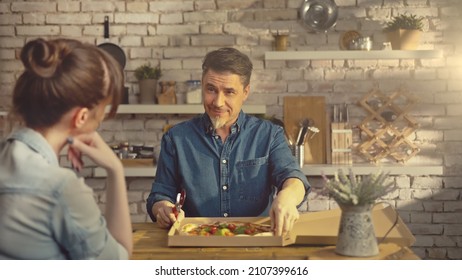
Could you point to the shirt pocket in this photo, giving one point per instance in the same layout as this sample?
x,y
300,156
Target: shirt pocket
x,y
252,179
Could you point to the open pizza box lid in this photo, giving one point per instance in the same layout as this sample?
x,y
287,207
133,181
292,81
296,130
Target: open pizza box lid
x,y
313,228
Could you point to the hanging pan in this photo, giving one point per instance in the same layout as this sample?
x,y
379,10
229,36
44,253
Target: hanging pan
x,y
319,15
111,48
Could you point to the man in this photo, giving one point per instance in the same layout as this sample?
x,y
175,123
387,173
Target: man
x,y
230,164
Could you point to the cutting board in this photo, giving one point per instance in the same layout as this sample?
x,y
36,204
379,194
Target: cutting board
x,y
297,108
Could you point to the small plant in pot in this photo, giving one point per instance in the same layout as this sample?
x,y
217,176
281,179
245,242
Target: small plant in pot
x,y
147,77
404,31
356,197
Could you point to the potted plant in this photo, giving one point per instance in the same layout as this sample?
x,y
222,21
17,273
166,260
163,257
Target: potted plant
x,y
356,197
148,77
404,31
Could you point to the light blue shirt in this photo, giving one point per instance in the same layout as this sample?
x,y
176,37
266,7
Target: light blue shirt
x,y
237,178
46,211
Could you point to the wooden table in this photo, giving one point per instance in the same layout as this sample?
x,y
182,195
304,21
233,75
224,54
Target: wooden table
x,y
150,243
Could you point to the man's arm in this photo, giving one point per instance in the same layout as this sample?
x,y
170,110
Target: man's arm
x,y
284,210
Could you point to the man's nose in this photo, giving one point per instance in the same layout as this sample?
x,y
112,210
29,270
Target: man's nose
x,y
219,99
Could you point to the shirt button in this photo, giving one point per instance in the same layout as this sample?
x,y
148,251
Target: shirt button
x,y
223,161
225,214
216,136
225,187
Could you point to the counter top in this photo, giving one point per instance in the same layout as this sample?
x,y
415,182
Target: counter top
x,y
150,243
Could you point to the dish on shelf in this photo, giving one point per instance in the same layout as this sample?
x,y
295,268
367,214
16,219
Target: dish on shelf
x,y
319,15
348,37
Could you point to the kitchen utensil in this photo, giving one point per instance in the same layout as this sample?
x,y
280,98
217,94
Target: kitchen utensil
x,y
341,136
113,49
179,203
314,130
319,15
297,108
303,130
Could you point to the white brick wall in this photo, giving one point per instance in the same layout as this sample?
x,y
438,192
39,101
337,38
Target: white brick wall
x,y
177,34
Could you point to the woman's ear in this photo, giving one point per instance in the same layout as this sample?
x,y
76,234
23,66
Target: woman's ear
x,y
80,117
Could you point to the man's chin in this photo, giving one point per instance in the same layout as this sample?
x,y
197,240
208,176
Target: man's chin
x,y
218,123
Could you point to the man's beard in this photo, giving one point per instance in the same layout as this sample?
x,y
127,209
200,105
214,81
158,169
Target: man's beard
x,y
218,122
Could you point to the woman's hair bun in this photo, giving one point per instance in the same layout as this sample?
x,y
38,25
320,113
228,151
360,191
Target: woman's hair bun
x,y
41,57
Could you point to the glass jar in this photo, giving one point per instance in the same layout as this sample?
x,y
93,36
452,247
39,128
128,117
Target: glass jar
x,y
193,92
137,147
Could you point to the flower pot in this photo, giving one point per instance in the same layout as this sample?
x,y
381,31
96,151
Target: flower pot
x,y
404,39
356,235
148,90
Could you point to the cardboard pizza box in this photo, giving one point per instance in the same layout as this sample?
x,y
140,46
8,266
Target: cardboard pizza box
x,y
321,228
313,228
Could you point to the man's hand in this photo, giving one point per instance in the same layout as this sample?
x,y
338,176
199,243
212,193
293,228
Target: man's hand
x,y
163,211
284,212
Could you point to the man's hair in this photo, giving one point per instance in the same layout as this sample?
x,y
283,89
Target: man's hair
x,y
228,60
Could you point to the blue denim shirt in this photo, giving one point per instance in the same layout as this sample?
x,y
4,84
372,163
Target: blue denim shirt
x,y
46,211
237,178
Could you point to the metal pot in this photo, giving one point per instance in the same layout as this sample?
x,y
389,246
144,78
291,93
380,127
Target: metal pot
x,y
319,15
361,43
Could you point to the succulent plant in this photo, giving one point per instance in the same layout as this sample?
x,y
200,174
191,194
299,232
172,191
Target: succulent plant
x,y
146,71
405,21
357,190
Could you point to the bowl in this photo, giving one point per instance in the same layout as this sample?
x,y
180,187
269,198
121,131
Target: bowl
x,y
319,15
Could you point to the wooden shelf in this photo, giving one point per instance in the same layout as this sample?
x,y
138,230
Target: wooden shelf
x,y
179,109
314,170
379,54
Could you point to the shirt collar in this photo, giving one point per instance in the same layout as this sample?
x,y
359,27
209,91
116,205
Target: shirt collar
x,y
36,142
208,127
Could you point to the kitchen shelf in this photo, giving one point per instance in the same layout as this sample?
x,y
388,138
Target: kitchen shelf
x,y
315,170
374,54
179,109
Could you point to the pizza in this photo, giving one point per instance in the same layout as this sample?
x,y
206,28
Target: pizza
x,y
226,229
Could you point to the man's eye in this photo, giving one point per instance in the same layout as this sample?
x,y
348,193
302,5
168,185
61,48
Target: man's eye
x,y
211,89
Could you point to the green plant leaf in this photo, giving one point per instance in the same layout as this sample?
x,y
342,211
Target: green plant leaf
x,y
146,71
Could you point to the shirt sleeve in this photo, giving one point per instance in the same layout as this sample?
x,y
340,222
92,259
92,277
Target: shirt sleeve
x,y
284,164
79,226
166,179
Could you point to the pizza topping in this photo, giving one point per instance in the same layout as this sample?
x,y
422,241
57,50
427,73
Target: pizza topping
x,y
225,229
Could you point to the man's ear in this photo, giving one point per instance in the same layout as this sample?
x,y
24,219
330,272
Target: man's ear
x,y
80,117
246,92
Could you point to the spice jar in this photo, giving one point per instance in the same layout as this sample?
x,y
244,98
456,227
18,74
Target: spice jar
x,y
124,150
137,147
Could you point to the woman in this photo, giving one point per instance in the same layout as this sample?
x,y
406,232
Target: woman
x,y
46,211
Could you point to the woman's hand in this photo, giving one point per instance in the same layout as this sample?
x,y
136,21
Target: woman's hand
x,y
93,146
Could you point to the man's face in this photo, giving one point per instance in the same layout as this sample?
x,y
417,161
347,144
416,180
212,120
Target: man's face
x,y
224,96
